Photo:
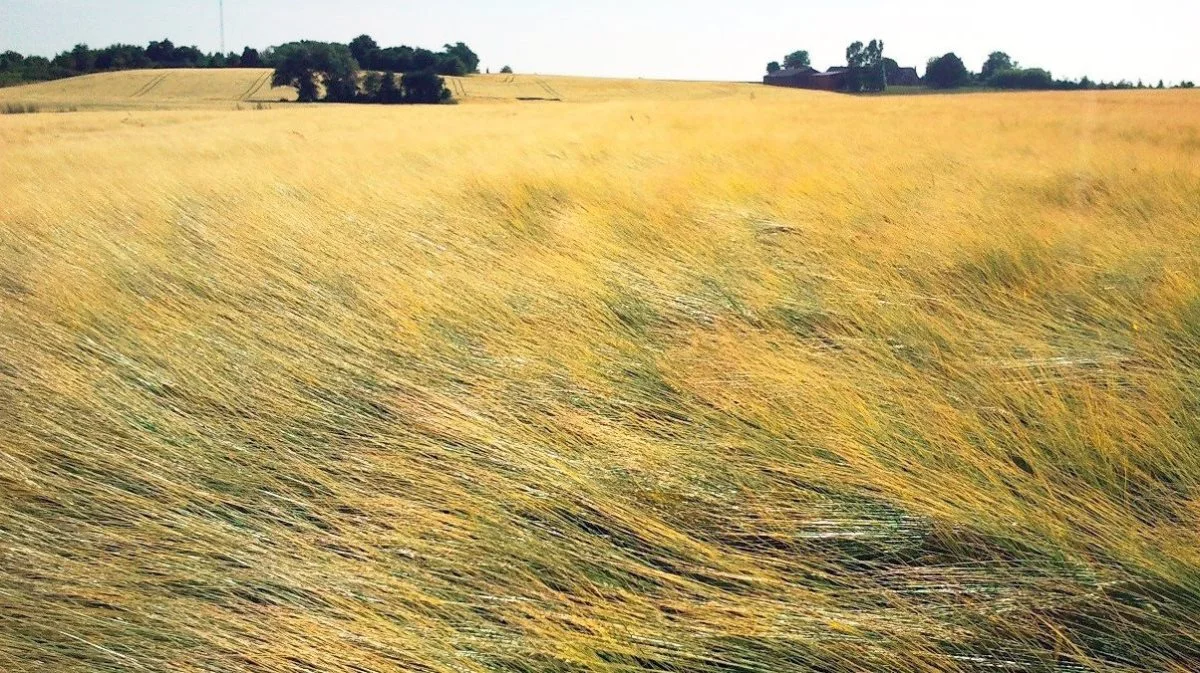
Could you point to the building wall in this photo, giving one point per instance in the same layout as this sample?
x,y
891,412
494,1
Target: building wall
x,y
907,77
795,81
827,82
834,80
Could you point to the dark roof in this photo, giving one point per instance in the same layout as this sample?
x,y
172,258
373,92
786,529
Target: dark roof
x,y
792,72
907,70
837,68
831,73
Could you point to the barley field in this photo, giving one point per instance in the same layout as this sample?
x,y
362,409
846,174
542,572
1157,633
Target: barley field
x,y
151,89
721,380
191,88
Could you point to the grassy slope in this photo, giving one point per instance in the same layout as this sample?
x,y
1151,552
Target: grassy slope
x,y
191,88
798,381
167,88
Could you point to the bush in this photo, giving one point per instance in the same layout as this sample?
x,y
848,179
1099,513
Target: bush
x,y
1022,78
452,67
306,65
388,92
947,72
463,53
250,58
341,89
424,86
506,70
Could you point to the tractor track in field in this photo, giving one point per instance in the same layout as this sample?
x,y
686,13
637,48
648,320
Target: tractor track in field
x,y
254,87
149,86
549,89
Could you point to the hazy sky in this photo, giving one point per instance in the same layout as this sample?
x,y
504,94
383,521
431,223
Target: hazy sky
x,y
696,39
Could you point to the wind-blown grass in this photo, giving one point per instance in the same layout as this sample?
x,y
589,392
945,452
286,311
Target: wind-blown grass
x,y
802,382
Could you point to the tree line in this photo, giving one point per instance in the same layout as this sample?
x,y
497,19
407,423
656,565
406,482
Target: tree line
x,y
868,70
1000,71
363,54
350,73
81,60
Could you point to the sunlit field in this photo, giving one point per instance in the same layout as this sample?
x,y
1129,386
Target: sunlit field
x,y
167,88
233,88
738,380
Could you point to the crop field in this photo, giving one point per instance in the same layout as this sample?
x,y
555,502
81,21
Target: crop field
x,y
167,88
663,377
226,89
499,88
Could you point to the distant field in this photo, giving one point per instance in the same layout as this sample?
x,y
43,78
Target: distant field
x,y
495,88
704,378
134,89
142,89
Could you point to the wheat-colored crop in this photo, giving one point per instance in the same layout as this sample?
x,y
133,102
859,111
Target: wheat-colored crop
x,y
191,88
785,382
154,89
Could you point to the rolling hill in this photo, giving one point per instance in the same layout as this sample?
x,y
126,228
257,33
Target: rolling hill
x,y
169,88
203,88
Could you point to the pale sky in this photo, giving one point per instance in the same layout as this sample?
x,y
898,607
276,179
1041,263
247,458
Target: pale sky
x,y
696,39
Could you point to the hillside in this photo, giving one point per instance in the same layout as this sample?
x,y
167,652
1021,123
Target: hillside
x,y
205,88
729,384
151,89
500,88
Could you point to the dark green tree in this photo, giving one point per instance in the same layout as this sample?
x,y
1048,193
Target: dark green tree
x,y
389,93
874,69
250,58
83,59
996,61
947,72
423,59
865,67
121,57
451,66
161,53
39,68
1022,78
365,51
11,60
506,70
773,67
12,68
189,57
891,69
855,57
797,59
423,86
341,89
311,65
396,59
464,54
